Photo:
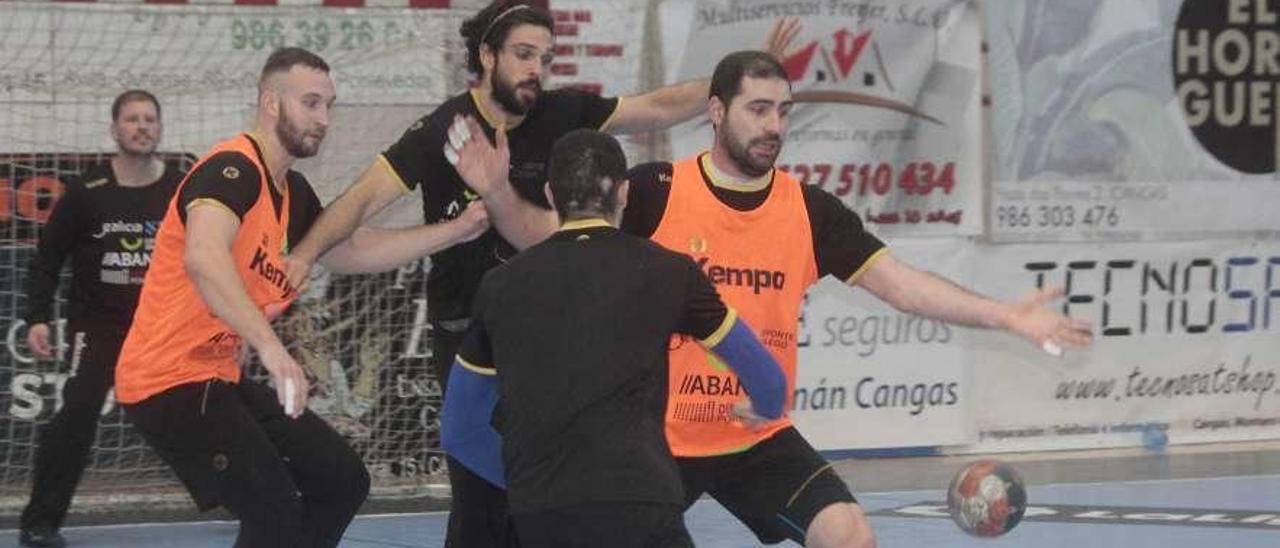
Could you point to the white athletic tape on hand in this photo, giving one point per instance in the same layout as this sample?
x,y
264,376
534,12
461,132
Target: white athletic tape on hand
x,y
455,136
290,401
464,131
451,155
1051,349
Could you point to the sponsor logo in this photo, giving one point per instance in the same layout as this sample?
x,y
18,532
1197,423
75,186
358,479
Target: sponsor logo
x,y
701,411
132,244
218,347
711,385
1225,79
269,271
118,259
758,279
119,227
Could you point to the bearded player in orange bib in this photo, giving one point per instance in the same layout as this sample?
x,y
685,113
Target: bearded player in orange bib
x,y
763,238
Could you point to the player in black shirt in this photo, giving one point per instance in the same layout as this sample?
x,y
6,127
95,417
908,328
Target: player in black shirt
x,y
571,336
509,47
106,223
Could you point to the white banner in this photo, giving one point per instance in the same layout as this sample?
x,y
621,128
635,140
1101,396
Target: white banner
x,y
1186,342
873,377
887,113
598,49
1133,120
598,45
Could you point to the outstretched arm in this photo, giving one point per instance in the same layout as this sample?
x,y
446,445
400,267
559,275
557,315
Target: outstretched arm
x,y
372,249
918,292
371,193
667,106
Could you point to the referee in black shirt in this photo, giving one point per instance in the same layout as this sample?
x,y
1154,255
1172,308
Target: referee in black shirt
x,y
571,337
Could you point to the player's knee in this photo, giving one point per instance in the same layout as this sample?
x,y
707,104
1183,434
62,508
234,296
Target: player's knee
x,y
350,485
359,485
840,525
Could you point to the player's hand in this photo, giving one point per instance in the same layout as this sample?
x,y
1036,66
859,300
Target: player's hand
x,y
483,165
289,378
297,272
38,341
781,36
474,221
743,411
1050,330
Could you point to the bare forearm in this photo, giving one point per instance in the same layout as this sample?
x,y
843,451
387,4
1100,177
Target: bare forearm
x,y
378,249
212,271
939,298
662,108
518,221
337,223
377,187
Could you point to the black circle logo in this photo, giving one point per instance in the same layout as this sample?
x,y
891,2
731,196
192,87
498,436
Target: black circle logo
x,y
1226,73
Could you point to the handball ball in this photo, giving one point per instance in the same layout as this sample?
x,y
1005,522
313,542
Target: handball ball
x,y
987,498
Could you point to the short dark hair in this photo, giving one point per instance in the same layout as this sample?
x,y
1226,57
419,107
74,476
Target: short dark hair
x,y
493,24
283,59
129,97
726,81
585,170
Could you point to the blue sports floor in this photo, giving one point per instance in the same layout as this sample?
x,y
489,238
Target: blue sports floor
x,y
1229,505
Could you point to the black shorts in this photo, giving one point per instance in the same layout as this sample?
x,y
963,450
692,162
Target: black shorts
x,y
612,524
775,488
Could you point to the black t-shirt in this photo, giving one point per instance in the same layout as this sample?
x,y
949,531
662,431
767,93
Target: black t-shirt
x,y
840,243
232,180
418,159
109,231
577,329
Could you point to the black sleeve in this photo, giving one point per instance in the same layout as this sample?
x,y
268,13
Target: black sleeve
x,y
66,224
704,312
228,178
841,245
419,154
304,206
650,186
590,111
476,351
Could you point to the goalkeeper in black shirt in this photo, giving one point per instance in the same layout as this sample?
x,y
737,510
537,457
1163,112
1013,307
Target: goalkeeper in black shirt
x,y
106,223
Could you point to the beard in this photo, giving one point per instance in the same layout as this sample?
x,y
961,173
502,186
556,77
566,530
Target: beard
x,y
740,153
294,139
134,148
507,94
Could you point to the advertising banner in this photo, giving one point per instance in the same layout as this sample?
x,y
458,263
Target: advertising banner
x,y
1185,345
1133,120
873,377
887,95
